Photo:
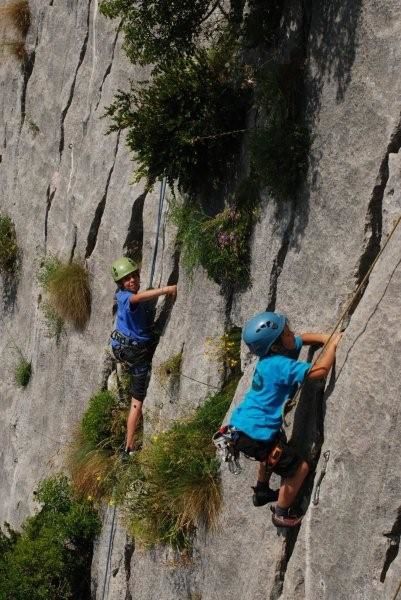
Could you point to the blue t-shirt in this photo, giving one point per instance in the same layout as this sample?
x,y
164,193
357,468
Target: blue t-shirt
x,y
275,379
132,320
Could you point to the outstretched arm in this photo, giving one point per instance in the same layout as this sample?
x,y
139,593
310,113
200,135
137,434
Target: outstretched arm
x,y
322,366
310,339
168,290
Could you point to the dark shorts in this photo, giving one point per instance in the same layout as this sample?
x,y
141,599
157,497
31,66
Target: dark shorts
x,y
138,362
289,460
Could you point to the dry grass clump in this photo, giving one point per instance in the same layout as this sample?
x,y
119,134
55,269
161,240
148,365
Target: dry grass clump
x,y
17,12
16,49
68,290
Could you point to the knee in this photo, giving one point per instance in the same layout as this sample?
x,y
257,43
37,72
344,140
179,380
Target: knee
x,y
136,406
304,468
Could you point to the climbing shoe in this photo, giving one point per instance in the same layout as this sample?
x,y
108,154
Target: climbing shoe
x,y
263,494
285,517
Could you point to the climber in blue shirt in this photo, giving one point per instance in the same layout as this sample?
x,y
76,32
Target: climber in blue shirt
x,y
132,340
258,418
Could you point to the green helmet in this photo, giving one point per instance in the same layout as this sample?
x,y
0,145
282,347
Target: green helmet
x,y
121,267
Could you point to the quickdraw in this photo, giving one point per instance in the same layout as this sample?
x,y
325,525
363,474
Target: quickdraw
x,y
224,440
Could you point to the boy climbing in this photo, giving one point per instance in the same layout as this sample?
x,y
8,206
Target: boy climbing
x,y
133,342
257,420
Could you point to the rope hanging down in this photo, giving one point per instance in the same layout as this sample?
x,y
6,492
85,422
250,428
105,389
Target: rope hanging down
x,y
293,403
163,185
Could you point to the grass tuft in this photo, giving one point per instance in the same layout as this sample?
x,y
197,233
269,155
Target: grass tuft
x,y
17,12
23,372
67,286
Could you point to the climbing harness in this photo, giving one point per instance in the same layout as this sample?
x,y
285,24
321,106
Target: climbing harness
x,y
123,339
326,456
162,195
292,403
224,439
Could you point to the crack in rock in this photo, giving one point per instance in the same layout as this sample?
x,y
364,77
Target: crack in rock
x,y
74,243
49,200
97,219
278,263
27,69
134,240
129,550
71,95
394,545
374,219
287,549
108,70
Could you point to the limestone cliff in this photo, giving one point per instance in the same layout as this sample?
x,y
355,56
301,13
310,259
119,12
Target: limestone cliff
x,y
68,189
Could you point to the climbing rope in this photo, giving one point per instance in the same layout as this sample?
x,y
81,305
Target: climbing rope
x,y
294,401
113,529
396,593
163,185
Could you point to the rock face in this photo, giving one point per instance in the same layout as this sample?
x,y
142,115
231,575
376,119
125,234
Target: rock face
x,y
67,188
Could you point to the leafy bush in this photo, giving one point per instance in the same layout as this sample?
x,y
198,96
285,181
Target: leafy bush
x,y
18,13
96,422
219,243
175,123
173,485
8,246
67,286
279,149
51,557
170,369
158,32
23,372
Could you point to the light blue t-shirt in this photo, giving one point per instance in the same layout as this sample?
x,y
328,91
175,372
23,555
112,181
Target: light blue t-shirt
x,y
275,379
132,320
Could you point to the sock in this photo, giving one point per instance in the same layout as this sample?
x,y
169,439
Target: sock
x,y
281,512
262,485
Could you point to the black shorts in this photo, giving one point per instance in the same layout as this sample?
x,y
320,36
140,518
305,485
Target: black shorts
x,y
289,460
138,362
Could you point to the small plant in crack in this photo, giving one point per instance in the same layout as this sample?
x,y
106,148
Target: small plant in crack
x,y
33,128
23,372
169,371
9,253
68,290
225,350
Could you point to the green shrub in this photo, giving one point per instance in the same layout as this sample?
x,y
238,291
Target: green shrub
x,y
51,557
170,369
175,123
173,485
68,290
23,372
279,149
157,32
96,422
93,458
219,243
8,246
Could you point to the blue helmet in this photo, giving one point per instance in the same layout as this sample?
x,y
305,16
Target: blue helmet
x,y
260,332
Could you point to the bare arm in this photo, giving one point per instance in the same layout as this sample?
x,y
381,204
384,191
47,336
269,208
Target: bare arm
x,y
322,366
168,290
314,338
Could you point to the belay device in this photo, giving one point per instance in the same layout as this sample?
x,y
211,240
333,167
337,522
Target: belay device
x,y
224,439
